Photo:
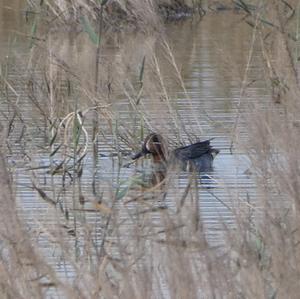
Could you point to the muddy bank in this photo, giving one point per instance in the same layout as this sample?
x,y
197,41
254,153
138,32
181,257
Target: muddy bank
x,y
118,15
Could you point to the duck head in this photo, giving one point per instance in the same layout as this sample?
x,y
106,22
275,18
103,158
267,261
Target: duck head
x,y
155,145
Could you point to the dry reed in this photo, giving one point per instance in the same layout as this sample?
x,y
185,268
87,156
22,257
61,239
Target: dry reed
x,y
152,252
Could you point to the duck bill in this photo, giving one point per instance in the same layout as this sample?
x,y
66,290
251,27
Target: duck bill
x,y
138,155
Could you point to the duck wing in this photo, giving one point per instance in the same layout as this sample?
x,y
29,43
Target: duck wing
x,y
193,151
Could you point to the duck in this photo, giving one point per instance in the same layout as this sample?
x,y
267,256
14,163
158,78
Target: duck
x,y
198,156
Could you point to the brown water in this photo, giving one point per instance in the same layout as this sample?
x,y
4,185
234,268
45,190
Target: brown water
x,y
211,56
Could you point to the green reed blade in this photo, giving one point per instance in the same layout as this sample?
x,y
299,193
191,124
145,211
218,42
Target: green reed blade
x,y
87,27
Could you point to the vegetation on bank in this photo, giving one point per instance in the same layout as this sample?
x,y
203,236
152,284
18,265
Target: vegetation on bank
x,y
260,257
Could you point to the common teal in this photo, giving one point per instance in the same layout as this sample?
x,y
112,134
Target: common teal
x,y
197,156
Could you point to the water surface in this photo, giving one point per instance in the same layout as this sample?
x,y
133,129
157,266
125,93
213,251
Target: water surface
x,y
208,101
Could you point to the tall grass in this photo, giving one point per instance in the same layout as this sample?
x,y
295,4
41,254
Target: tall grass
x,y
139,248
